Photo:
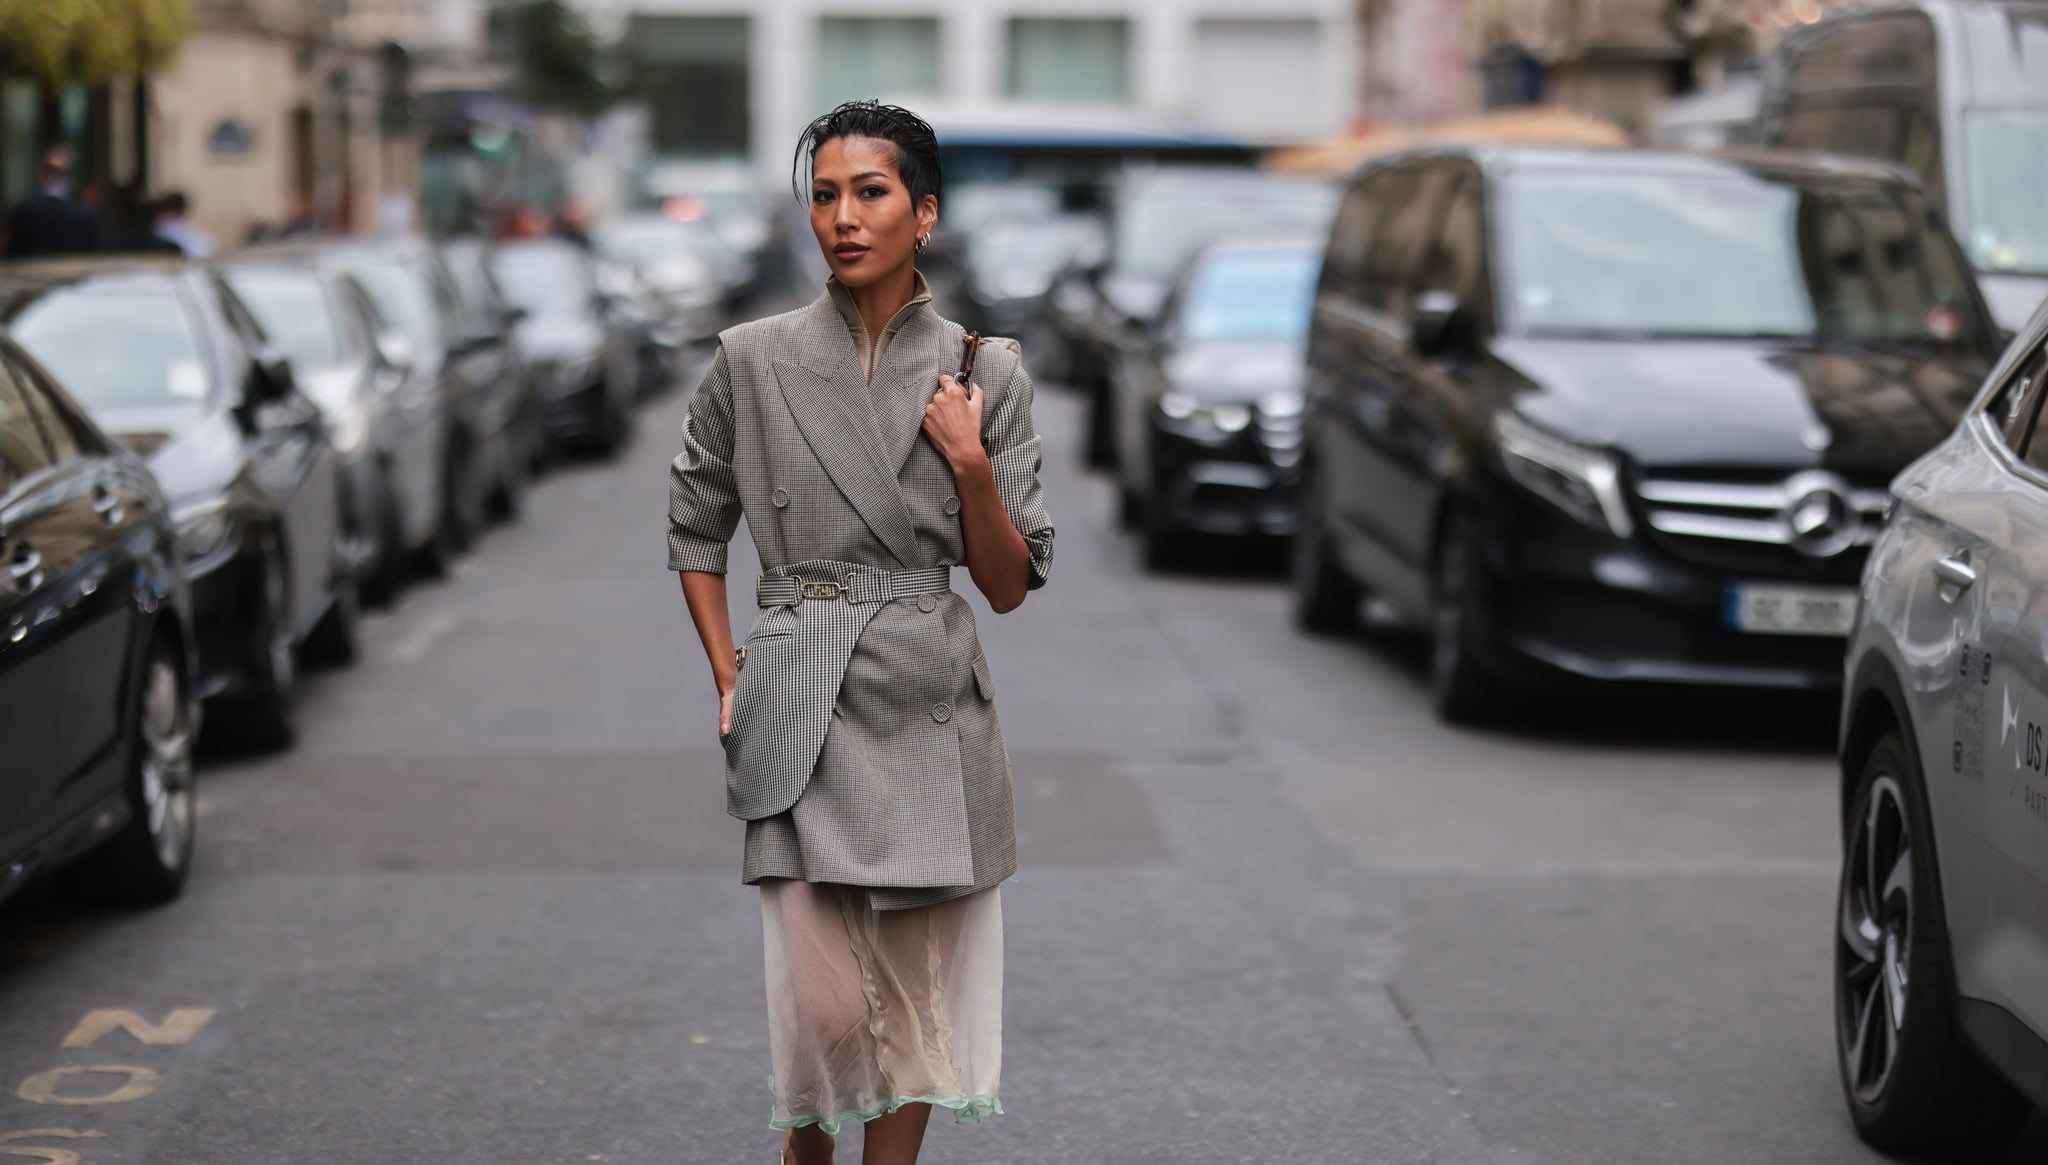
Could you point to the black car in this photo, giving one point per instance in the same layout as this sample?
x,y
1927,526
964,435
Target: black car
x,y
585,366
1210,425
465,360
1159,220
387,426
96,706
163,356
1622,415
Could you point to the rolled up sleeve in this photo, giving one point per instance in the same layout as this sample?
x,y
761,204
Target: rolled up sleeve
x,y
1015,455
703,500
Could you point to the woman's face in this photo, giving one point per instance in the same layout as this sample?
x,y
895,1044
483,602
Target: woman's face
x,y
862,213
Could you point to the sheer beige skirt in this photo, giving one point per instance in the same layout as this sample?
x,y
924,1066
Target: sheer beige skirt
x,y
870,1010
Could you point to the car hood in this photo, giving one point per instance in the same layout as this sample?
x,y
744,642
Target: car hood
x,y
559,337
2012,298
1744,403
192,461
1237,370
1135,296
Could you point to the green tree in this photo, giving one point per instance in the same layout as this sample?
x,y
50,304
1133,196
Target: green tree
x,y
90,40
560,61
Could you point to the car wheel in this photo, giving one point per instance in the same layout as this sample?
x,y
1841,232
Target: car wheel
x,y
1101,439
464,501
1460,685
262,715
511,481
1911,1082
146,862
1166,545
1325,599
387,571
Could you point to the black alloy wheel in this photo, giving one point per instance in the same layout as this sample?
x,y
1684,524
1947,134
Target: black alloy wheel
x,y
509,484
1911,1081
332,642
261,716
1461,687
146,862
379,585
465,498
1325,598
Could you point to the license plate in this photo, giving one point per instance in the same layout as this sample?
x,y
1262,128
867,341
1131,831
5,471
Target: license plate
x,y
1779,610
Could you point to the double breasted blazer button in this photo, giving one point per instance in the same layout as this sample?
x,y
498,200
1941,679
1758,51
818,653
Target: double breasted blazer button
x,y
927,602
942,711
780,497
952,504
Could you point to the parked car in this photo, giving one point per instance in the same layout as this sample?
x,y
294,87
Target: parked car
x,y
487,313
1210,419
96,683
585,365
1012,266
675,263
387,427
1941,932
1622,415
727,198
466,364
1957,92
1159,219
163,356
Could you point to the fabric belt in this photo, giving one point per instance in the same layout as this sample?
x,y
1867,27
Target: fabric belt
x,y
860,585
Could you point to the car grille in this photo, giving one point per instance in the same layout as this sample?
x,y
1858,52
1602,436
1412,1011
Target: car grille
x,y
1811,524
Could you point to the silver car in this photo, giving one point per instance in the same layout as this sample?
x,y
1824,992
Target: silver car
x,y
1941,939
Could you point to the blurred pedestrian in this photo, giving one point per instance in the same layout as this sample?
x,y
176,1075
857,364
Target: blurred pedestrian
x,y
52,221
173,223
860,734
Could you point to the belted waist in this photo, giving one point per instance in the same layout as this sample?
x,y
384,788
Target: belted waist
x,y
861,584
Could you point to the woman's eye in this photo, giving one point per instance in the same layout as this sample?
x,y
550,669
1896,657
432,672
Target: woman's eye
x,y
872,192
821,196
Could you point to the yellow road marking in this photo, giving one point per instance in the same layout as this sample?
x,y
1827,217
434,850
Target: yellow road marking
x,y
177,1028
48,1156
41,1088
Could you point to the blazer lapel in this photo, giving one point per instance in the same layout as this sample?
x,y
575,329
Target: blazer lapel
x,y
826,394
905,382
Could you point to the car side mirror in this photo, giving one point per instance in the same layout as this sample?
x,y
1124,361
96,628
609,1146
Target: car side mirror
x,y
270,377
396,351
1439,325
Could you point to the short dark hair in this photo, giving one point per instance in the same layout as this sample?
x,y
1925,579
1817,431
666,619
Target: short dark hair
x,y
917,145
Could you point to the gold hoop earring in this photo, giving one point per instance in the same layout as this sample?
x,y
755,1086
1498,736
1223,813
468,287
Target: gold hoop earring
x,y
923,241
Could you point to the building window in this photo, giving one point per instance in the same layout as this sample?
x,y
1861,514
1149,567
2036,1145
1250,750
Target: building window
x,y
1069,60
692,71
877,56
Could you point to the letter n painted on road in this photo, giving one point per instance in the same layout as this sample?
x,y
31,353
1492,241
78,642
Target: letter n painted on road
x,y
177,1028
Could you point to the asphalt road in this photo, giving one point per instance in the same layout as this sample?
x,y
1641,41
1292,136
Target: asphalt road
x,y
1270,911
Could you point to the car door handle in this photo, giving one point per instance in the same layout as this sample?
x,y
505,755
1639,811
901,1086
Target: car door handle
x,y
1956,574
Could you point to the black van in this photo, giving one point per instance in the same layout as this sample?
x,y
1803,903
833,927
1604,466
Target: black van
x,y
1957,92
1622,415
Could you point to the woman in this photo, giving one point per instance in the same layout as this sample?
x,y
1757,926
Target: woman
x,y
861,741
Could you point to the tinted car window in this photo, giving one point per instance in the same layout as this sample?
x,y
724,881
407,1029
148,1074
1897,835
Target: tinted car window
x,y
293,311
1857,130
1357,218
1160,227
1406,231
1250,295
1732,254
157,364
23,450
1457,259
402,295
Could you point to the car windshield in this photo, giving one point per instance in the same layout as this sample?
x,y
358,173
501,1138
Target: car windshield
x,y
2005,154
1159,228
400,292
1251,295
1039,247
154,362
466,268
1732,254
544,281
294,312
650,241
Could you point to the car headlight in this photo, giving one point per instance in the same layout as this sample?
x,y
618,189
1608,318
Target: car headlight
x,y
203,529
1204,420
1276,405
1585,483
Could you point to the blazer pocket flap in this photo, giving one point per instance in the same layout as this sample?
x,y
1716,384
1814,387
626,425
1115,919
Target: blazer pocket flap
x,y
983,681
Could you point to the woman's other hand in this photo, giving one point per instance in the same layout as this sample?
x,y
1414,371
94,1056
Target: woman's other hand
x,y
952,419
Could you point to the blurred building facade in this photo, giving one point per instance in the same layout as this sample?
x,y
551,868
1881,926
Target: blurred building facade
x,y
720,79
276,111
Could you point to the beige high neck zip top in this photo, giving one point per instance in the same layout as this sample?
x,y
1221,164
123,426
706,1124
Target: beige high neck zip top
x,y
871,358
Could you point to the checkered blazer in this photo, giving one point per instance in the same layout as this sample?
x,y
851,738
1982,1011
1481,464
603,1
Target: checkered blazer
x,y
865,746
